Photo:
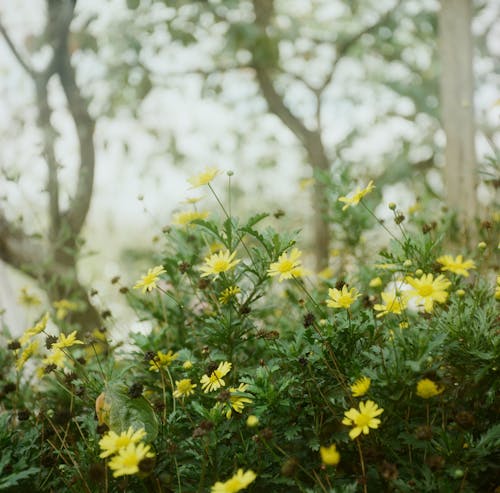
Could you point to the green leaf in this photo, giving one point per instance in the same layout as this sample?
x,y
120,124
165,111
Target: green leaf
x,y
125,412
208,226
14,478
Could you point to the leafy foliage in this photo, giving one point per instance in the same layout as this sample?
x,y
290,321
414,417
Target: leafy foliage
x,y
287,363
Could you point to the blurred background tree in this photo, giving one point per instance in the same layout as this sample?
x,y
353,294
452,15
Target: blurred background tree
x,y
310,60
50,257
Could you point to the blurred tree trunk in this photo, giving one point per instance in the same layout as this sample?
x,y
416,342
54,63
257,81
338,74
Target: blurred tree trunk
x,y
457,112
313,144
264,62
50,258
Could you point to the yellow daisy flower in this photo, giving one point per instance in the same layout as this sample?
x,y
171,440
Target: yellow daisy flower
x,y
356,196
236,400
161,360
33,331
360,386
362,420
183,388
238,482
27,353
66,341
56,357
204,178
252,421
28,299
111,442
287,266
148,282
329,455
456,265
63,307
228,293
219,262
127,460
185,218
341,298
375,282
426,388
428,290
214,381
393,303
193,200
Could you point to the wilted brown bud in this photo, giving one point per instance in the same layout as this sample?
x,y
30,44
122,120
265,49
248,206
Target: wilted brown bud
x,y
465,419
97,472
308,319
13,345
389,471
424,433
266,434
224,396
399,218
203,283
289,467
435,462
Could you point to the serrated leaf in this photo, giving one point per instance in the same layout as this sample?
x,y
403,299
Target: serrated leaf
x,y
255,219
14,478
208,226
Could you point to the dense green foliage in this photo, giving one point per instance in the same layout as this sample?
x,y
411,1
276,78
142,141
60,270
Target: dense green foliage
x,y
294,358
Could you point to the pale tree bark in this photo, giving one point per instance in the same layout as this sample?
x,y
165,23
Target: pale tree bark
x,y
457,113
51,260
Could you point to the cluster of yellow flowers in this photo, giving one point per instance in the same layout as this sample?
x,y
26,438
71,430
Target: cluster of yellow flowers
x,y
29,345
126,450
424,289
237,396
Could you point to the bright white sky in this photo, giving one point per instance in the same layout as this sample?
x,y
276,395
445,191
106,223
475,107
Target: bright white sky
x,y
204,130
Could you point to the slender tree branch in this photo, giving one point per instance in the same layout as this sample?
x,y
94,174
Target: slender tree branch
x,y
49,135
26,66
277,105
85,126
343,48
19,250
58,26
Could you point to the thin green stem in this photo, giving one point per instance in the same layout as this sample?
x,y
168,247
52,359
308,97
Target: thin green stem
x,y
363,469
178,475
313,301
170,296
391,234
240,239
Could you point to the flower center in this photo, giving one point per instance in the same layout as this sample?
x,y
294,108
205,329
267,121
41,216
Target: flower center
x,y
220,265
130,461
122,441
286,266
362,420
425,291
184,386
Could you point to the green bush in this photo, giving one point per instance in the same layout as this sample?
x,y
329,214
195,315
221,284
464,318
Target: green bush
x,y
385,379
